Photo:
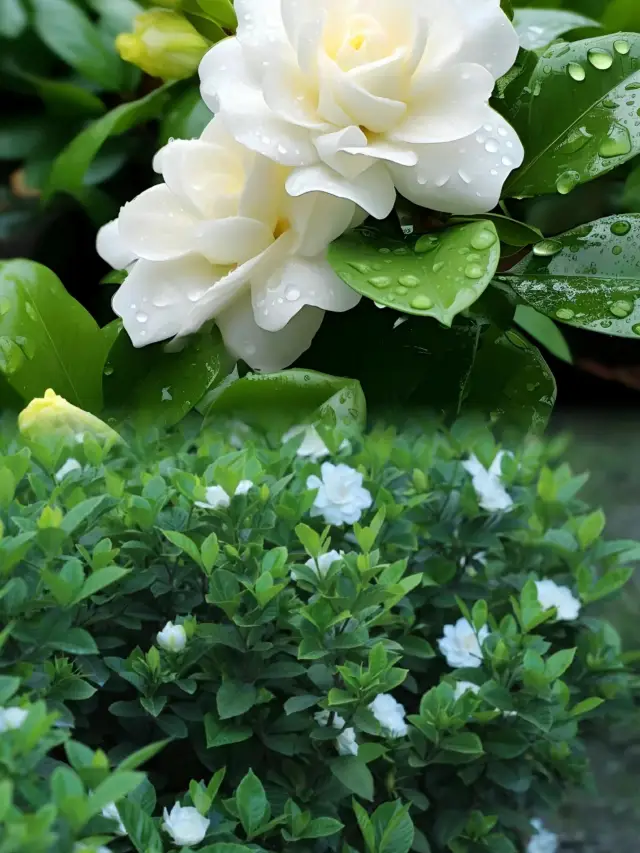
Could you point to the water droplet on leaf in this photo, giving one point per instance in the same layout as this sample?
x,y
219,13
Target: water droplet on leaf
x,y
427,243
483,239
622,47
600,59
564,314
621,308
621,227
409,280
576,72
474,271
617,142
380,281
547,248
421,302
567,181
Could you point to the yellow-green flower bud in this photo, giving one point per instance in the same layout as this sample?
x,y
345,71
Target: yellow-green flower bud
x,y
53,416
163,44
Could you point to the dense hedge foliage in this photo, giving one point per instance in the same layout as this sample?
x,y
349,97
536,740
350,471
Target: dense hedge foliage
x,y
398,682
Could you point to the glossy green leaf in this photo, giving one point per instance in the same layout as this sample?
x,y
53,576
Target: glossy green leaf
x,y
69,169
71,35
154,385
186,118
116,15
47,339
21,135
539,27
281,400
13,18
62,98
220,11
576,111
510,231
621,15
543,330
588,277
354,775
141,830
437,276
251,802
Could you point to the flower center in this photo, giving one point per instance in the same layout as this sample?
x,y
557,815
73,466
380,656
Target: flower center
x,y
282,226
357,41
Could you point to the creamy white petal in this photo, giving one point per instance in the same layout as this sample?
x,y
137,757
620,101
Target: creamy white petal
x,y
377,114
262,350
446,104
156,297
157,225
263,196
318,219
112,248
488,36
233,240
302,281
466,176
373,190
260,31
336,148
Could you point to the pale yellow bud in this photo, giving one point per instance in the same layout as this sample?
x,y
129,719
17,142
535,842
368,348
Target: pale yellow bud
x,y
163,44
53,416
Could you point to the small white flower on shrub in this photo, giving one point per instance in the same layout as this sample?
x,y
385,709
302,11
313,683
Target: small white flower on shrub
x,y
110,811
390,714
543,841
12,718
492,495
185,825
461,646
551,594
323,563
362,98
346,742
217,498
463,687
172,638
312,447
341,497
69,466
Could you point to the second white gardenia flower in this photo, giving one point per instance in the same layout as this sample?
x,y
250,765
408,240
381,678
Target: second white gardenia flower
x,y
217,498
172,638
346,742
185,825
12,718
492,495
360,97
390,714
460,644
543,840
551,594
69,466
221,239
111,812
341,497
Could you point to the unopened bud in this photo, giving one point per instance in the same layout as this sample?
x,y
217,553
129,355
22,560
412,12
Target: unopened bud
x,y
163,44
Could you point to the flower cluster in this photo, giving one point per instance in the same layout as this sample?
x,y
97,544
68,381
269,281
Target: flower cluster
x,y
323,110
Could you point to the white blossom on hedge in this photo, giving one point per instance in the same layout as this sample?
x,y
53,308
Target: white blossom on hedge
x,y
543,840
322,719
12,718
185,825
69,466
172,638
461,646
312,446
492,495
111,812
217,498
551,594
341,497
346,742
362,98
221,239
323,563
390,714
463,687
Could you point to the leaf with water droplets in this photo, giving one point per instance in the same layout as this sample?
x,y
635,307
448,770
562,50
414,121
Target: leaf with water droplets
x,y
157,385
587,277
47,339
577,111
439,275
539,27
292,397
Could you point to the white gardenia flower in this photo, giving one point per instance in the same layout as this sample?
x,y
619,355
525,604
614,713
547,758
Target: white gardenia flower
x,y
551,594
324,562
460,645
69,466
12,718
492,495
312,447
341,497
322,719
185,825
390,714
362,97
346,742
463,687
111,812
221,239
217,498
172,638
543,841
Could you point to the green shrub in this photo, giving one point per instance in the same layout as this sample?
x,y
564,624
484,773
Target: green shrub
x,y
293,684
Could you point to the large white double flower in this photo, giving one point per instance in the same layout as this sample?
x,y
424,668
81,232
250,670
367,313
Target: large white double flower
x,y
363,97
221,238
